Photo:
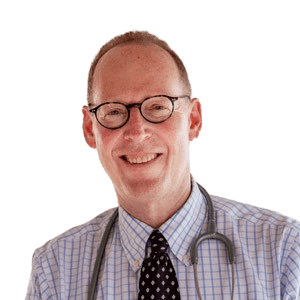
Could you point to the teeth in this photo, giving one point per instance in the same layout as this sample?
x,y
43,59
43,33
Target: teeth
x,y
141,159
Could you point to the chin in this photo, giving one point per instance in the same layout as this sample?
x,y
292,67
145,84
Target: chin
x,y
142,187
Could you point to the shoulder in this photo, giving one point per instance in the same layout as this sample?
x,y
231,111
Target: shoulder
x,y
265,227
253,215
93,228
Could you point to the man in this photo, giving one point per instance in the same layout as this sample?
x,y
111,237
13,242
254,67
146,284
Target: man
x,y
141,119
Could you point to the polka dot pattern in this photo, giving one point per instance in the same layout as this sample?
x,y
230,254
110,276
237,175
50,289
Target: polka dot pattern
x,y
158,278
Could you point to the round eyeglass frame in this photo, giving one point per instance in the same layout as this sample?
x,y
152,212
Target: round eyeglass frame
x,y
139,106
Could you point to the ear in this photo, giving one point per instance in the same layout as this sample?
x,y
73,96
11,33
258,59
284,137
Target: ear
x,y
87,127
195,120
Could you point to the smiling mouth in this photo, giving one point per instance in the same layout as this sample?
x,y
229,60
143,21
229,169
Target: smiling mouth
x,y
140,159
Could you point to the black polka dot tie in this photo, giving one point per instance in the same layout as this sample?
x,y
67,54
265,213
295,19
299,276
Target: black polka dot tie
x,y
158,278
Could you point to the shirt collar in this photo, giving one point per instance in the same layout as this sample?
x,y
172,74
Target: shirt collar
x,y
180,230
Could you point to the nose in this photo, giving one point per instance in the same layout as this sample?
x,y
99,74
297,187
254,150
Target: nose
x,y
137,128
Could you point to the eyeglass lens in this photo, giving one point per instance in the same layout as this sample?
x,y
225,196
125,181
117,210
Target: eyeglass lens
x,y
155,110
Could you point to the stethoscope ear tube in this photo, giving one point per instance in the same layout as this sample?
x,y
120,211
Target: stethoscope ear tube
x,y
215,236
211,234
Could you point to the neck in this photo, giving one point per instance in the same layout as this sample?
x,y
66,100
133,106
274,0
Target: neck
x,y
156,207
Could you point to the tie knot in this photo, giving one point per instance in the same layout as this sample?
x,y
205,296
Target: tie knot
x,y
158,242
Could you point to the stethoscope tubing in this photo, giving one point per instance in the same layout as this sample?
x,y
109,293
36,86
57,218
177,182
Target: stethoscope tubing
x,y
100,254
210,234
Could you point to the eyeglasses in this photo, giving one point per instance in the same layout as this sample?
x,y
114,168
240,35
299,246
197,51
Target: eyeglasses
x,y
155,109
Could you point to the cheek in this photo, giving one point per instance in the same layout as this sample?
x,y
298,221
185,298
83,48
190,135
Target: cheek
x,y
178,139
182,130
104,145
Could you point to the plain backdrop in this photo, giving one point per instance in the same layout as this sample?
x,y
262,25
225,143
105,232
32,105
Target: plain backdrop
x,y
243,61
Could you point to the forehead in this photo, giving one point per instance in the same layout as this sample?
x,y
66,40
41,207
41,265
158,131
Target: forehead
x,y
134,68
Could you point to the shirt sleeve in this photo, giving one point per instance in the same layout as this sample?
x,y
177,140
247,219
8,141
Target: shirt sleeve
x,y
290,280
33,292
37,288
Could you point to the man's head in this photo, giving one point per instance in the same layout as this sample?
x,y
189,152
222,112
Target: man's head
x,y
129,73
142,38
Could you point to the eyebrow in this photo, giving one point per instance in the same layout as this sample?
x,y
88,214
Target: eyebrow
x,y
90,105
142,100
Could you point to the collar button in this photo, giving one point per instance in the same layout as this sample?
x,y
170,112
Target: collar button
x,y
135,263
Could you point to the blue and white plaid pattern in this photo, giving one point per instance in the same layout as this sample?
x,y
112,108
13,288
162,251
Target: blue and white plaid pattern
x,y
267,261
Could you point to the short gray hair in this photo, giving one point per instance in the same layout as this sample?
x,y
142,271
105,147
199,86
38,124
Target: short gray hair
x,y
137,37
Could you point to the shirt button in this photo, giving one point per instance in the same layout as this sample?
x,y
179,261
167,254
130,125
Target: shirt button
x,y
135,263
187,258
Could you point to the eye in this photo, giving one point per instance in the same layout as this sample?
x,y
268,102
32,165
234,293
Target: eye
x,y
113,112
157,107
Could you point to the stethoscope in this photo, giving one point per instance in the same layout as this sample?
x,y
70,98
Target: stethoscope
x,y
210,234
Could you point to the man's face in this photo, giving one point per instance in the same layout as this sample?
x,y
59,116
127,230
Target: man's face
x,y
129,74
